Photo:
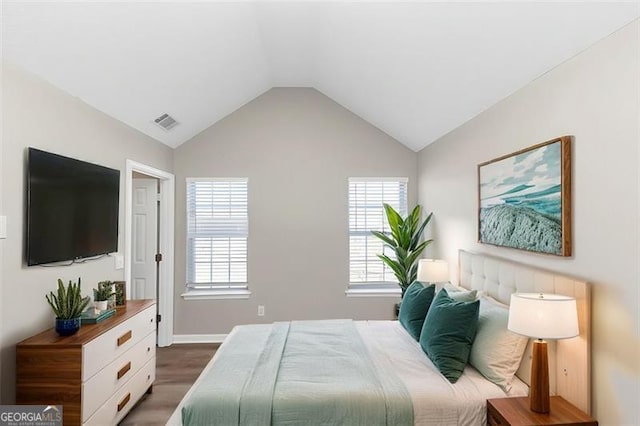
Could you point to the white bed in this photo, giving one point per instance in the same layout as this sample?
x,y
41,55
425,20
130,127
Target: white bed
x,y
437,401
569,359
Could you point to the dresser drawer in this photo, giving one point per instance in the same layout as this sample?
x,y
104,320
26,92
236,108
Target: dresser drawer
x,y
99,352
98,389
125,398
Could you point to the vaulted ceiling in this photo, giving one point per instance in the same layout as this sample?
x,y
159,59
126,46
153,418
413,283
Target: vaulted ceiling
x,y
416,70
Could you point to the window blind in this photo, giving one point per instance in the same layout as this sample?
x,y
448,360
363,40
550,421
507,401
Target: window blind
x,y
217,232
366,214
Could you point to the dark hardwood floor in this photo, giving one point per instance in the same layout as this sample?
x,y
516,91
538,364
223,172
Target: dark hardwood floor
x,y
177,367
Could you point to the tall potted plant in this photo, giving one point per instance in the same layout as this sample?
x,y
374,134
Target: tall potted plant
x,y
404,239
68,305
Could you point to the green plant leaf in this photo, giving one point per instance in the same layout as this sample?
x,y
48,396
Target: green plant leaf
x,y
395,266
413,272
385,238
395,222
393,217
418,234
414,217
401,254
415,254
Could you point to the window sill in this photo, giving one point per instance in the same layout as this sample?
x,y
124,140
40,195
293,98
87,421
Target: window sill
x,y
369,292
216,294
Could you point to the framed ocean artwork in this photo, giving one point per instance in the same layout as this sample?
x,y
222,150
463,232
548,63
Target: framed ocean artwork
x,y
524,199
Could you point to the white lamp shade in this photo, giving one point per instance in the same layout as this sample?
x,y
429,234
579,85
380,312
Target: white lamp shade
x,y
433,271
543,316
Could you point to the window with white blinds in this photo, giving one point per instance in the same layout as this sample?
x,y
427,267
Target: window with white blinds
x,y
366,214
217,232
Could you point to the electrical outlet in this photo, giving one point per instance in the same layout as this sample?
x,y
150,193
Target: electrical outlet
x,y
260,310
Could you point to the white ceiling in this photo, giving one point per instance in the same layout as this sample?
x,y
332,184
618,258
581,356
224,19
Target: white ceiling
x,y
416,70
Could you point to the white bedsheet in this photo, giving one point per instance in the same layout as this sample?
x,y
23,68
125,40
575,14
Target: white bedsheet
x,y
435,400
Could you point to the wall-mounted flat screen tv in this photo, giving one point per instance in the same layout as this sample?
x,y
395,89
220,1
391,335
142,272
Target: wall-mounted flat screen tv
x,y
72,208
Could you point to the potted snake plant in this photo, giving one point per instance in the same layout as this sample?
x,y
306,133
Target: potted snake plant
x,y
68,305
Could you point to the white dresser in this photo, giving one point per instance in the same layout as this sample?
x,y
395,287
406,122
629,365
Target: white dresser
x,y
98,374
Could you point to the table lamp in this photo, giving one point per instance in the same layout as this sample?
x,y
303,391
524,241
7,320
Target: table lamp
x,y
433,271
542,316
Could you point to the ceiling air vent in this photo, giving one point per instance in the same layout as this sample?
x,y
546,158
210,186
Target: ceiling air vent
x,y
166,121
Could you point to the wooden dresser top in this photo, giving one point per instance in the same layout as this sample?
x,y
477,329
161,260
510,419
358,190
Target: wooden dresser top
x,y
88,332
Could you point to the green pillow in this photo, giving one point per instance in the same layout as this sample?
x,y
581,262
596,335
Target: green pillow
x,y
414,307
448,333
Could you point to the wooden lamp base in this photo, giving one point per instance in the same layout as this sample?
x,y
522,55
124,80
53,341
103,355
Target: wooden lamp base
x,y
539,391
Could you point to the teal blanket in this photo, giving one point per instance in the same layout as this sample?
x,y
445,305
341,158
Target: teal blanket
x,y
303,372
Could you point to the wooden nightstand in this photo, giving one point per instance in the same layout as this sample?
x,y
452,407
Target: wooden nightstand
x,y
515,411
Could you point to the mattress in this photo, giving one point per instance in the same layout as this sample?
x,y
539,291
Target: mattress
x,y
435,400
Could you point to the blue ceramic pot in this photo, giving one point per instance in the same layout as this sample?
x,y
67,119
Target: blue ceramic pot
x,y
67,327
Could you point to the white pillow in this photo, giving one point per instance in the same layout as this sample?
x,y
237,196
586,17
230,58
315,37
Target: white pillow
x,y
453,289
464,296
496,352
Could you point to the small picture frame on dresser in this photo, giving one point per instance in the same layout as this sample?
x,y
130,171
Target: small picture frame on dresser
x,y
121,293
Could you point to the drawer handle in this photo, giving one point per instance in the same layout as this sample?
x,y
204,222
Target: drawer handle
x,y
124,402
124,370
124,338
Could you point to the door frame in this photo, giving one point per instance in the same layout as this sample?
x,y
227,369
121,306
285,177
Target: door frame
x,y
165,239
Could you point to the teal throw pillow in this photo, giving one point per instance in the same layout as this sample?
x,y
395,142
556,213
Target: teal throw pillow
x,y
448,332
414,307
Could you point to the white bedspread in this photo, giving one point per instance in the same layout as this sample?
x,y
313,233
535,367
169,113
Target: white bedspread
x,y
435,400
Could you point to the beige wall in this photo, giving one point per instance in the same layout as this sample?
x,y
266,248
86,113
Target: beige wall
x,y
36,114
297,147
594,97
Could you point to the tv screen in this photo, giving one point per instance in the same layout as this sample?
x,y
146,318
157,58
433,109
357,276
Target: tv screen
x,y
72,208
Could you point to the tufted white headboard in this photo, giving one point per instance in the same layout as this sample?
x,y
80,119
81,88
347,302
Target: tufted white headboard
x,y
569,359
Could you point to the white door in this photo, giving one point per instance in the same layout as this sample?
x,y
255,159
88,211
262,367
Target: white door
x,y
144,238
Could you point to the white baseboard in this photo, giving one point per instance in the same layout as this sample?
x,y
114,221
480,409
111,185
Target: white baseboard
x,y
198,338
